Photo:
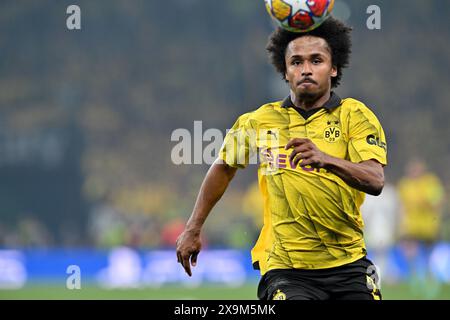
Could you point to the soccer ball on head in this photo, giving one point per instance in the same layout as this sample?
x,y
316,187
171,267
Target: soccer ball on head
x,y
299,15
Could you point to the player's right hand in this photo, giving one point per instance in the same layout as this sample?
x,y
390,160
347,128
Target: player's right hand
x,y
188,248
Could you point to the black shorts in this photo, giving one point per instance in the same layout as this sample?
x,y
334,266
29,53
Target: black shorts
x,y
358,280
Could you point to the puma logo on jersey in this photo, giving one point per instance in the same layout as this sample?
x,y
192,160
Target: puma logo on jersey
x,y
270,132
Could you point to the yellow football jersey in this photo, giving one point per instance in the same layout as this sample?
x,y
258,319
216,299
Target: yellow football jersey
x,y
421,198
311,217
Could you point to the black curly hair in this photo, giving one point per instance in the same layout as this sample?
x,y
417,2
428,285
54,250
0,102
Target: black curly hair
x,y
333,31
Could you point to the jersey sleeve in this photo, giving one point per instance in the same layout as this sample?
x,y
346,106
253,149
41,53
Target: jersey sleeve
x,y
238,148
367,140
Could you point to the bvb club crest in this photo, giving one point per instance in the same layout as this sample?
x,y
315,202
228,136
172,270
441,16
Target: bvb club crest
x,y
332,132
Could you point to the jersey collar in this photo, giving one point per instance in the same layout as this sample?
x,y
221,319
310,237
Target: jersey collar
x,y
333,102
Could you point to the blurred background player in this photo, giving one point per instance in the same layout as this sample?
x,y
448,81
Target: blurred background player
x,y
422,196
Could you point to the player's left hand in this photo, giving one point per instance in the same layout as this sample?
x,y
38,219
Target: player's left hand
x,y
306,151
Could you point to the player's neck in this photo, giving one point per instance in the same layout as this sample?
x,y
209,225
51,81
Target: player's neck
x,y
307,104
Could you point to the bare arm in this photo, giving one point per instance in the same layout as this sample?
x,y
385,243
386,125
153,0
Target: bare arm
x,y
211,190
366,176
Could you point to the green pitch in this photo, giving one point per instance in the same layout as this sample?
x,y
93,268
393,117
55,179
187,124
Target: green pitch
x,y
246,292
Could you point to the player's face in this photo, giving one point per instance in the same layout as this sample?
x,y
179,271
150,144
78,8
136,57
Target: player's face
x,y
309,67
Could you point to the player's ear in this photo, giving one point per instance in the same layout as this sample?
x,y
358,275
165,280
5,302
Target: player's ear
x,y
334,72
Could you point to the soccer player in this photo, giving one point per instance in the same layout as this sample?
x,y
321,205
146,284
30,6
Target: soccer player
x,y
319,154
422,195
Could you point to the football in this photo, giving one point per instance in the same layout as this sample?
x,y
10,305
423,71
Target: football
x,y
299,15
